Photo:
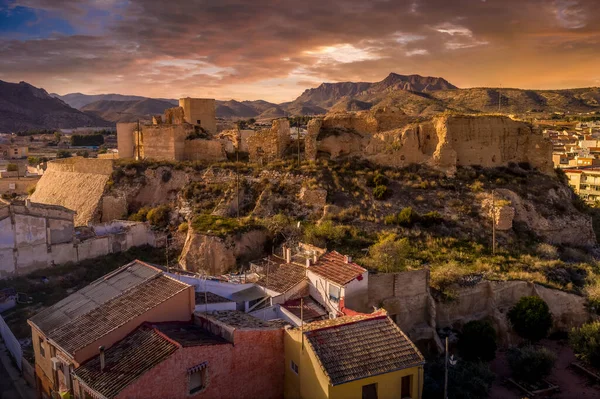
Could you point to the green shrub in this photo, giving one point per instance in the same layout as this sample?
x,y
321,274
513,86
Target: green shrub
x,y
381,192
585,341
530,364
87,139
377,179
63,154
159,216
531,318
407,217
83,153
219,225
324,233
466,380
12,167
431,218
33,161
140,215
478,341
183,227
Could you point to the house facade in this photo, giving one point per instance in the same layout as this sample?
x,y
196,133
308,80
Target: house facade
x,y
73,330
352,357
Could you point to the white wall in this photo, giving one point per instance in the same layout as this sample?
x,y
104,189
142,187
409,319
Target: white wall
x,y
213,307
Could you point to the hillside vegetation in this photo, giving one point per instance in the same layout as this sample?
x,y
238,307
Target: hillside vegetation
x,y
388,219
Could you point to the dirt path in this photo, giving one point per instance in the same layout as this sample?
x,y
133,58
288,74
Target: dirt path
x,y
572,385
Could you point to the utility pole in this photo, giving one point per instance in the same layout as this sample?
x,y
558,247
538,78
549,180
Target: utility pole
x,y
298,139
493,222
446,372
237,172
138,140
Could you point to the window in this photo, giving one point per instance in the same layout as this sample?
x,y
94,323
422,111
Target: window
x,y
334,292
369,391
294,367
42,350
406,385
198,378
198,122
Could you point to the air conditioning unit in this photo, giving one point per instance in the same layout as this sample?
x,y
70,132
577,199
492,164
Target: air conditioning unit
x,y
56,364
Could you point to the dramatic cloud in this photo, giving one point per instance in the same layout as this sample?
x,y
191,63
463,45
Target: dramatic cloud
x,y
275,49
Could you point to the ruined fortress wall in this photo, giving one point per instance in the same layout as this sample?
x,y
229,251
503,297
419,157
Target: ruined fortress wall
x,y
272,143
492,141
444,142
209,150
76,184
125,141
159,142
200,109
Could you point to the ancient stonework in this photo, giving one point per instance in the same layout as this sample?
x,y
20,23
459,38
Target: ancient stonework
x,y
269,144
387,137
174,116
504,217
310,143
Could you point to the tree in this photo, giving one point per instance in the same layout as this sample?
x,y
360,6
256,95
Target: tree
x,y
531,318
531,364
467,380
63,154
585,341
12,167
389,254
57,136
478,341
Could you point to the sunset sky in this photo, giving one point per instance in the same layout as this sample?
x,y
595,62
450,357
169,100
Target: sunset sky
x,y
274,50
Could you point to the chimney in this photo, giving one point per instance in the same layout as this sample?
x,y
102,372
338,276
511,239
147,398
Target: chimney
x,y
315,258
288,255
347,259
27,202
307,262
101,348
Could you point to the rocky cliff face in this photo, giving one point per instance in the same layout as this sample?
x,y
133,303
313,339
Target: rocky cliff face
x,y
388,138
216,256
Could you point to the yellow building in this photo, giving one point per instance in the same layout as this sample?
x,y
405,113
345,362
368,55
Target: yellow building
x,y
585,182
352,357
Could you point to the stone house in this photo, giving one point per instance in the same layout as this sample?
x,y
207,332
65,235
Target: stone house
x,y
10,151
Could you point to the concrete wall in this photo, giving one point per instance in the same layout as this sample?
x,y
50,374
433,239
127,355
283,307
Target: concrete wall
x,y
202,110
35,242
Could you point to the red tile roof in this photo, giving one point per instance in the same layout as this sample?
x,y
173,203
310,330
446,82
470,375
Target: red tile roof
x,y
283,277
125,362
333,267
362,349
114,313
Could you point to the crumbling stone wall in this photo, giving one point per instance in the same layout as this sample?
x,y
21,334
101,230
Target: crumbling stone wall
x,y
207,150
174,116
310,143
269,144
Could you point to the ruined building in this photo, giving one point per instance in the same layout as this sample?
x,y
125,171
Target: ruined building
x,y
269,144
388,137
185,133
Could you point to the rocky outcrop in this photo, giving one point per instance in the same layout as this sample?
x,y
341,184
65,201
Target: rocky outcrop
x,y
572,228
213,255
387,137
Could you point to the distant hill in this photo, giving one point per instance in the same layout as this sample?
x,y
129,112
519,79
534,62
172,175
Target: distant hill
x,y
127,111
23,107
79,100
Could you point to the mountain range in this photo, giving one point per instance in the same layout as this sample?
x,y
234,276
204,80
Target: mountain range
x,y
25,106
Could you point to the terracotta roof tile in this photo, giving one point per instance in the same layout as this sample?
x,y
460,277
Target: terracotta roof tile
x,y
361,349
125,361
333,267
112,314
283,277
